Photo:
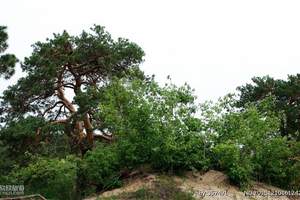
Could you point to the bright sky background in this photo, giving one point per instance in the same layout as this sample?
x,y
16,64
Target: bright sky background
x,y
214,45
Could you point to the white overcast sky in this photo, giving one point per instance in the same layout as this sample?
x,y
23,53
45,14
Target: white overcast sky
x,y
214,45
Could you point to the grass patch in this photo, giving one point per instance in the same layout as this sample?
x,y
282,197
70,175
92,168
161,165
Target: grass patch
x,y
163,189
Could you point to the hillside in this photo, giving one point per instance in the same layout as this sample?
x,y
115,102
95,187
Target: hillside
x,y
192,185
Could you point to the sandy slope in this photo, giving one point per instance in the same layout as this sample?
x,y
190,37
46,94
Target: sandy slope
x,y
209,186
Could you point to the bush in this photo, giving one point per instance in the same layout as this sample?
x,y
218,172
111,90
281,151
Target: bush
x,y
154,125
294,176
247,144
274,161
278,162
53,178
183,153
101,167
238,166
294,170
163,152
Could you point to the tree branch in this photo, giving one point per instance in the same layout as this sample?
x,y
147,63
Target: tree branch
x,y
61,121
51,107
105,137
61,95
59,111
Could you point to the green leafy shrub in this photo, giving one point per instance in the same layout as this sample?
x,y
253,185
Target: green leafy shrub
x,y
153,124
247,143
239,137
278,163
274,161
101,167
294,176
53,178
184,153
294,170
238,167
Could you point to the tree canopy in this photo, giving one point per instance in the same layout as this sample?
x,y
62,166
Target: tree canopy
x,y
287,100
69,64
7,61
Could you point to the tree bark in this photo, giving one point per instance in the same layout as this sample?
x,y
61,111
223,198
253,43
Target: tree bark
x,y
89,129
67,103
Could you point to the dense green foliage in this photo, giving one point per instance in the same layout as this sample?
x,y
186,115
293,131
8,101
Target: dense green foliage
x,y
54,178
48,142
154,125
248,144
102,167
287,100
7,61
